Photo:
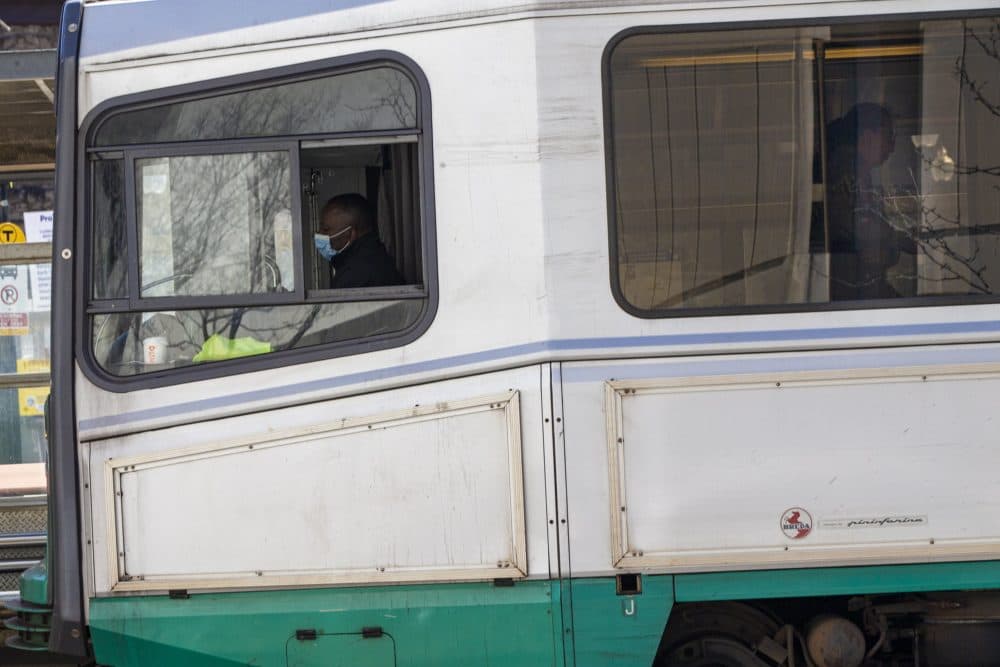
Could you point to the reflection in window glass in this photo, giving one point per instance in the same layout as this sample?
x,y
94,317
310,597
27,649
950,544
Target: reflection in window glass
x,y
376,99
133,343
806,165
110,257
210,224
24,353
22,193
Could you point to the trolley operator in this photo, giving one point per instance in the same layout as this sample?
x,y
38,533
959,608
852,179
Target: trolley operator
x,y
348,239
864,245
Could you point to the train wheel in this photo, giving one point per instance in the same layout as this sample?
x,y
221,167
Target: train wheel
x,y
712,652
715,635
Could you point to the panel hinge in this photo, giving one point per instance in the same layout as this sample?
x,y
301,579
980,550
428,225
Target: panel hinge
x,y
503,582
305,635
178,594
371,633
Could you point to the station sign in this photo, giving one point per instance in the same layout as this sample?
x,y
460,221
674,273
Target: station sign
x,y
11,233
14,302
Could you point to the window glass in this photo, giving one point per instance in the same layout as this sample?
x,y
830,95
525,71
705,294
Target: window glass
x,y
214,224
259,246
25,192
24,361
133,343
376,99
27,122
110,255
24,353
806,165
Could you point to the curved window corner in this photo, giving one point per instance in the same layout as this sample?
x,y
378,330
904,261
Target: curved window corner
x,y
805,167
239,224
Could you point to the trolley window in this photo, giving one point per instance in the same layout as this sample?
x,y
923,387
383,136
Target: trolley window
x,y
778,169
263,218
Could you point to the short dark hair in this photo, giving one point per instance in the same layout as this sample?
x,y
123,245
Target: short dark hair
x,y
862,117
354,205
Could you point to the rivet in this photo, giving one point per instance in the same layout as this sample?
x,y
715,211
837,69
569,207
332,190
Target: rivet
x,y
66,253
75,632
73,27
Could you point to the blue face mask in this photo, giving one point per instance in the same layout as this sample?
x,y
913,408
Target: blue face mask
x,y
322,242
324,246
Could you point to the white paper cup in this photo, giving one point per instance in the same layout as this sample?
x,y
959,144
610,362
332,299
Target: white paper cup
x,y
154,350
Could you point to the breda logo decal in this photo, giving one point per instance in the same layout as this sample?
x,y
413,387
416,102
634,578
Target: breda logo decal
x,y
796,523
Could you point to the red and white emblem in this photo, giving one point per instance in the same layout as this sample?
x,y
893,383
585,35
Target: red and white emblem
x,y
796,523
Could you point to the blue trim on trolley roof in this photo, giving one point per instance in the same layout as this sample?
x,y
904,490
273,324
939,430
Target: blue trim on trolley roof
x,y
940,356
119,28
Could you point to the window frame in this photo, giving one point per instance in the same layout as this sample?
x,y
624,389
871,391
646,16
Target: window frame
x,y
87,306
137,302
763,309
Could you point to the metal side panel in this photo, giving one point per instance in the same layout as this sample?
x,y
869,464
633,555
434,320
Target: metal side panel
x,y
376,488
784,469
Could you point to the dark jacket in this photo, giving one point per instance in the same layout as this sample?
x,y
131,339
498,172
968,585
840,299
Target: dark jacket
x,y
864,244
364,263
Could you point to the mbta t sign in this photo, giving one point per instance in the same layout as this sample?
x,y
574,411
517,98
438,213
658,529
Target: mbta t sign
x,y
11,233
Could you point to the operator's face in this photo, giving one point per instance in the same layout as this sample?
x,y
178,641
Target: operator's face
x,y
875,145
337,225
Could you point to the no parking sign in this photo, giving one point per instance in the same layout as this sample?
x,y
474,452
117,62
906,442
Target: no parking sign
x,y
13,300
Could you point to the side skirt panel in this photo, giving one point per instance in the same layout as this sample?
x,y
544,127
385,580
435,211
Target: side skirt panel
x,y
426,625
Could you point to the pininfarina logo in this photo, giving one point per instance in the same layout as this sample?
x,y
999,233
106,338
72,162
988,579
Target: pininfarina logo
x,y
896,521
796,523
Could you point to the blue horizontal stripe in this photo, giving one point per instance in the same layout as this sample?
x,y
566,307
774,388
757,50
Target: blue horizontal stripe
x,y
865,359
122,26
612,343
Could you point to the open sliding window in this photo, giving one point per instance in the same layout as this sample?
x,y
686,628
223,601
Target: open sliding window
x,y
207,211
851,165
